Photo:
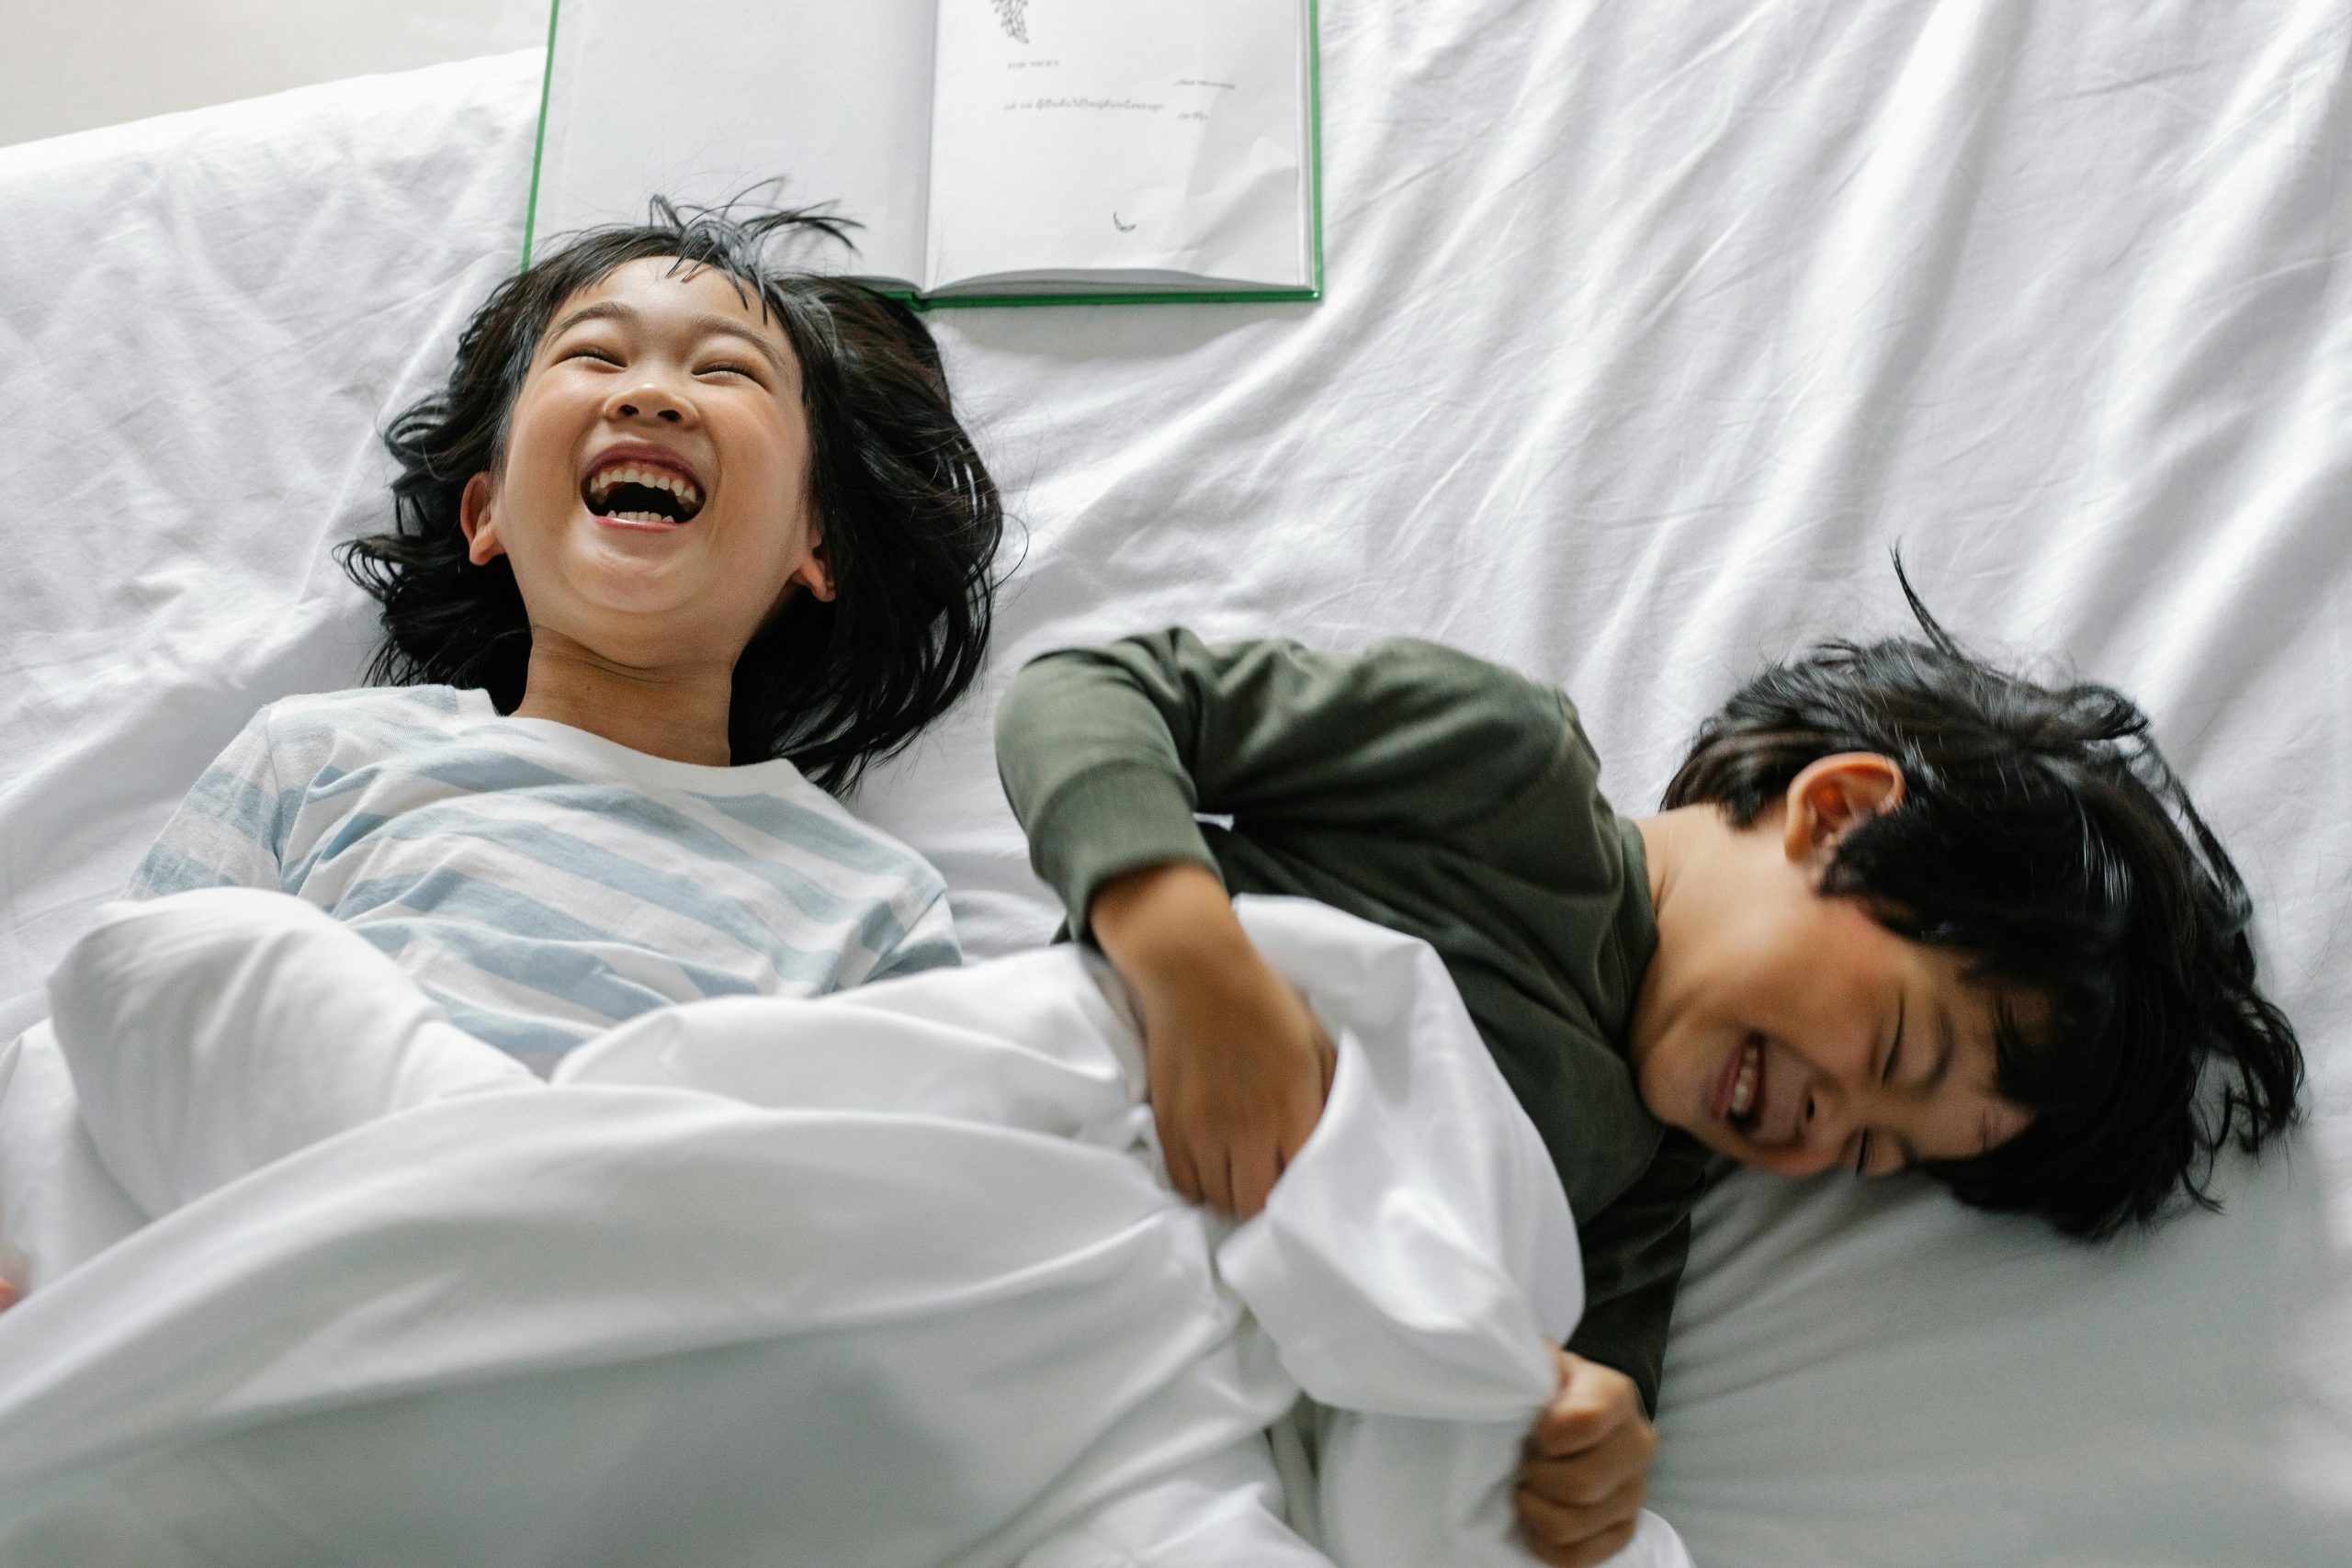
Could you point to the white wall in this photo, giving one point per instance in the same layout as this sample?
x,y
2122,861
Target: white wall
x,y
71,65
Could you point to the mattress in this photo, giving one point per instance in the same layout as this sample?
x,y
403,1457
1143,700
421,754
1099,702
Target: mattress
x,y
1648,334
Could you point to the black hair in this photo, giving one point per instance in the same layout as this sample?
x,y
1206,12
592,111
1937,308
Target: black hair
x,y
2041,832
911,519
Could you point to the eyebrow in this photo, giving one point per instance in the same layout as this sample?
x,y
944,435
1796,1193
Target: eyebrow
x,y
1946,1048
1894,1048
709,323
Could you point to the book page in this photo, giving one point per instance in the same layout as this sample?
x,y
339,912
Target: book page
x,y
699,99
1076,136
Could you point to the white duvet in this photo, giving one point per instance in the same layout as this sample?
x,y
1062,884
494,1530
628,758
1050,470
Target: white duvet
x,y
890,1278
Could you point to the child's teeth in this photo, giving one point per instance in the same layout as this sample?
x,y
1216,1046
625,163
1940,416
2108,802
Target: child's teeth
x,y
653,478
1743,1090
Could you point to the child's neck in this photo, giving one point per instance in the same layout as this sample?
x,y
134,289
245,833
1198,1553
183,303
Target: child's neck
x,y
679,715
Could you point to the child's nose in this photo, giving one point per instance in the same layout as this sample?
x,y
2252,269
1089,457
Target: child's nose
x,y
1824,1122
651,399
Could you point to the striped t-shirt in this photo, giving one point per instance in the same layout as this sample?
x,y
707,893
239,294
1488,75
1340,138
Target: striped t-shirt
x,y
543,884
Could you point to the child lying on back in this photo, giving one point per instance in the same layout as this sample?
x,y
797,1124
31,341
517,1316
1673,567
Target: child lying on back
x,y
1901,912
687,540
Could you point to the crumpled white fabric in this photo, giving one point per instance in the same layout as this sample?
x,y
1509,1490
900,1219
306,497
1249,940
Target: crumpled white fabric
x,y
893,1277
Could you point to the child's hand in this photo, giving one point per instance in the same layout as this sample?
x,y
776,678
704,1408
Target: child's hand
x,y
1587,1470
1239,1066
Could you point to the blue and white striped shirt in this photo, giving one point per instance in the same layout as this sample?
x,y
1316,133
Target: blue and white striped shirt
x,y
541,882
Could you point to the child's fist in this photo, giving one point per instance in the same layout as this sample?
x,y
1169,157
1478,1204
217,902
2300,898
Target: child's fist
x,y
1586,1469
1239,1066
1240,1070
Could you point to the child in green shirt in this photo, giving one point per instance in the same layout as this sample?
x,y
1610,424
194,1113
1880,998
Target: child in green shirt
x,y
1900,911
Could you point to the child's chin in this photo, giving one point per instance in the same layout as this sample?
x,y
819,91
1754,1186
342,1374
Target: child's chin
x,y
1723,1144
623,608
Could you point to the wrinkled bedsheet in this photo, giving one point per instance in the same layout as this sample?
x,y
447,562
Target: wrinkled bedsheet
x,y
1649,331
893,1277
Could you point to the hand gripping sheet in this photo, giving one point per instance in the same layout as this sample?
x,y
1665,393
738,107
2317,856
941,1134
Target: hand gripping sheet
x,y
890,1278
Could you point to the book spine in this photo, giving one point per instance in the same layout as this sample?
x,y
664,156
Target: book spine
x,y
539,143
1156,297
1314,140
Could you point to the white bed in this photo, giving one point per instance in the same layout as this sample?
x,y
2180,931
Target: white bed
x,y
1647,331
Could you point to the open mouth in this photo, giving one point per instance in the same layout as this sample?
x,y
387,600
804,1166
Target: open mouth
x,y
626,492
1744,1107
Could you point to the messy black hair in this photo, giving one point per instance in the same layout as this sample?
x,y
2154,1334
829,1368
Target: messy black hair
x,y
911,519
2041,833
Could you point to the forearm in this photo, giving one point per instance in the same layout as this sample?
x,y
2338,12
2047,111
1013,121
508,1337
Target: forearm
x,y
210,1033
1105,753
1162,922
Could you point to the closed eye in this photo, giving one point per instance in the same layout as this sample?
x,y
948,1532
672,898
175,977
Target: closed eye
x,y
595,353
1886,1075
743,370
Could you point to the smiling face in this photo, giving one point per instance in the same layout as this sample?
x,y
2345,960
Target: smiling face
x,y
653,493
1792,1030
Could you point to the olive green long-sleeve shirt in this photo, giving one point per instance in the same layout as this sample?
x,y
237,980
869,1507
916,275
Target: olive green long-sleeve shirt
x,y
1433,793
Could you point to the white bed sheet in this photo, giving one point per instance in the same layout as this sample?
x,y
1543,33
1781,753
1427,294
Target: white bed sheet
x,y
934,1206
1647,331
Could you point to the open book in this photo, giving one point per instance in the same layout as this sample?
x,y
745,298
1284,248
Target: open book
x,y
995,151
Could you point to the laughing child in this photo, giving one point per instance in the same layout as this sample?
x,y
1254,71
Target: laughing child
x,y
684,543
1899,911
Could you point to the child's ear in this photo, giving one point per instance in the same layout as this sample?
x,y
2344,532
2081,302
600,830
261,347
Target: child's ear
x,y
474,515
1834,795
815,574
